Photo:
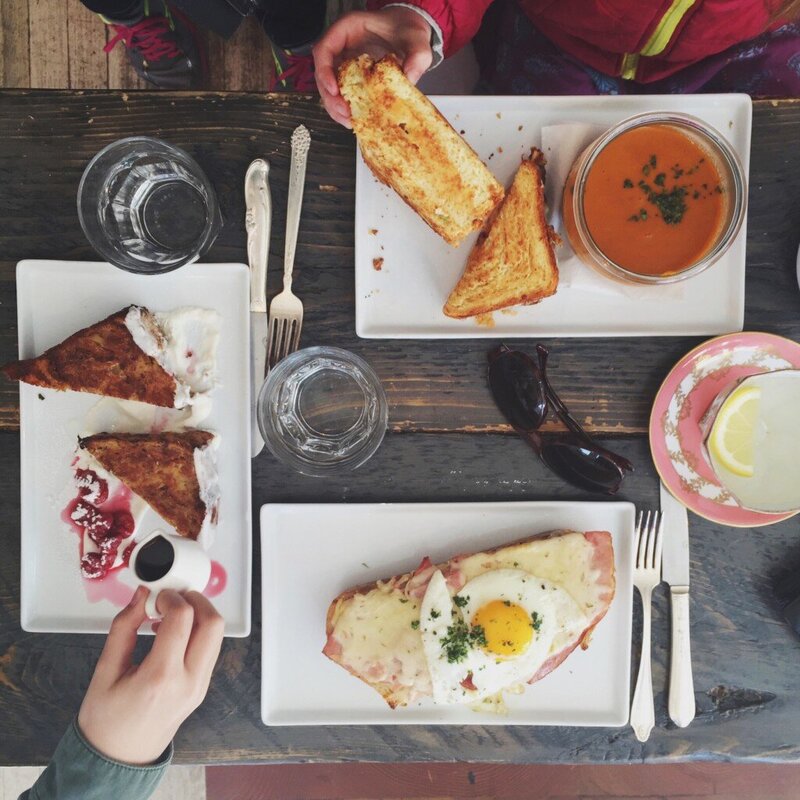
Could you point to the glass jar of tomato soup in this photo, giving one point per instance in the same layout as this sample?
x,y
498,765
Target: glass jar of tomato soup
x,y
658,198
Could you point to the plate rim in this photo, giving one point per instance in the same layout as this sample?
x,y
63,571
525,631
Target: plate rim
x,y
652,426
266,510
28,621
734,102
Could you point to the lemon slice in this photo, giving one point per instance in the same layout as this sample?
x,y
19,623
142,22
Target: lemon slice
x,y
733,433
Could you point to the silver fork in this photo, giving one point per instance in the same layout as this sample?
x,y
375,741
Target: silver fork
x,y
286,309
646,576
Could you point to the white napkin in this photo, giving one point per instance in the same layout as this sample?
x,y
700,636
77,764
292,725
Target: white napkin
x,y
561,145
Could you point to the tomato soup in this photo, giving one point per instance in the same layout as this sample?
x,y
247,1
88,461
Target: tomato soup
x,y
654,201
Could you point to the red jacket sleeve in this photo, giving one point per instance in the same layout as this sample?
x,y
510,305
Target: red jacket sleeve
x,y
459,20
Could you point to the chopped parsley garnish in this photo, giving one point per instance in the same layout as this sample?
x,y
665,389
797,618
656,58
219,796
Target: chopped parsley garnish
x,y
536,621
627,184
460,601
671,204
506,602
460,638
403,599
415,625
435,614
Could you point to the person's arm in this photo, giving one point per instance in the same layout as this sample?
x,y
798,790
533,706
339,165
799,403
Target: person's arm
x,y
455,21
121,742
78,770
419,33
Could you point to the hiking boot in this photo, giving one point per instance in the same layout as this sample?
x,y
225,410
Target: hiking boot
x,y
162,48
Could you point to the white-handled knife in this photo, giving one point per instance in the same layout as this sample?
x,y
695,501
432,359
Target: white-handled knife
x,y
258,222
675,572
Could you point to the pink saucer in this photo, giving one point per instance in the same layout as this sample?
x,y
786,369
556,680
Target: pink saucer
x,y
685,395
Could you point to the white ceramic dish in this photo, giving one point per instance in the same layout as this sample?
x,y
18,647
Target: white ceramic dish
x,y
311,553
55,299
404,299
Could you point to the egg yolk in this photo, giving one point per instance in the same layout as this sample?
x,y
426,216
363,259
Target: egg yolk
x,y
507,627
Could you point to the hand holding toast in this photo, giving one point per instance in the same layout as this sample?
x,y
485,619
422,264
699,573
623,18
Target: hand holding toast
x,y
392,30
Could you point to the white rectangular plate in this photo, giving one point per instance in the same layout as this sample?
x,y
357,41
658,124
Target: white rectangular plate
x,y
55,299
404,299
311,553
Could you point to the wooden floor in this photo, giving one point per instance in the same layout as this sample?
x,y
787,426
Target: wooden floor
x,y
58,44
484,781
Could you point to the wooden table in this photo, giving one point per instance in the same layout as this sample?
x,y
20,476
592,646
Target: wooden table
x,y
447,443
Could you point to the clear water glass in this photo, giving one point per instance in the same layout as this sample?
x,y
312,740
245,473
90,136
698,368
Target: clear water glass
x,y
322,410
146,206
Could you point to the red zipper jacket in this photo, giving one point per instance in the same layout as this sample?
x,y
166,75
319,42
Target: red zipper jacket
x,y
642,40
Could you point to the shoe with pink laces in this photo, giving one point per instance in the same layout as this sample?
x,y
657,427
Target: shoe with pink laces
x,y
294,70
163,48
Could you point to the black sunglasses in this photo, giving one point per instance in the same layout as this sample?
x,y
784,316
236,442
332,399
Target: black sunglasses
x,y
524,395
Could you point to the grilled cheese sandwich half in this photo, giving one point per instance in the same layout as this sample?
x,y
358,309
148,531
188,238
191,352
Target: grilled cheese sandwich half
x,y
412,148
513,263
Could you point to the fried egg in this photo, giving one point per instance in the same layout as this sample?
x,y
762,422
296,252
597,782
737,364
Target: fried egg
x,y
495,633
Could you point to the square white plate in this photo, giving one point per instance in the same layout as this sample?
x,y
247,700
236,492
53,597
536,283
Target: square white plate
x,y
404,299
57,298
311,553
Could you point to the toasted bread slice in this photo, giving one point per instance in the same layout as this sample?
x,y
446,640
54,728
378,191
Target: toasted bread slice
x,y
514,263
102,359
372,629
161,469
411,147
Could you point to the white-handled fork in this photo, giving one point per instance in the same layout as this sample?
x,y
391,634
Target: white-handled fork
x,y
286,309
646,576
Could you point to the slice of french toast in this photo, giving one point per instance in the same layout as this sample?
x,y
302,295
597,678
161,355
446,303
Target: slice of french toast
x,y
102,359
161,469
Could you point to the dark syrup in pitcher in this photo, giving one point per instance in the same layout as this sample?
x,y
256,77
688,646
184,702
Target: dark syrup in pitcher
x,y
154,560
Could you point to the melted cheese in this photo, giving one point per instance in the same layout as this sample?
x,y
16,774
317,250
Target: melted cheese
x,y
374,629
565,560
377,639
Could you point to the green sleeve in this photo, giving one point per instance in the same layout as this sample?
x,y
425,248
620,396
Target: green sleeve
x,y
79,772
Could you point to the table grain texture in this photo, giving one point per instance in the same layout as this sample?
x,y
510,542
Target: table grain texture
x,y
446,443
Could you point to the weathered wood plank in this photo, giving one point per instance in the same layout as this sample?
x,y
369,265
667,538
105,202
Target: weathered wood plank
x,y
15,64
88,64
247,61
432,386
49,45
738,636
215,55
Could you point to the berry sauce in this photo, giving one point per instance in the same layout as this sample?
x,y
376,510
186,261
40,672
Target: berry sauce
x,y
105,518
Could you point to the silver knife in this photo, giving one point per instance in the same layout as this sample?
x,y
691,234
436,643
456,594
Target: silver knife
x,y
675,572
258,222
